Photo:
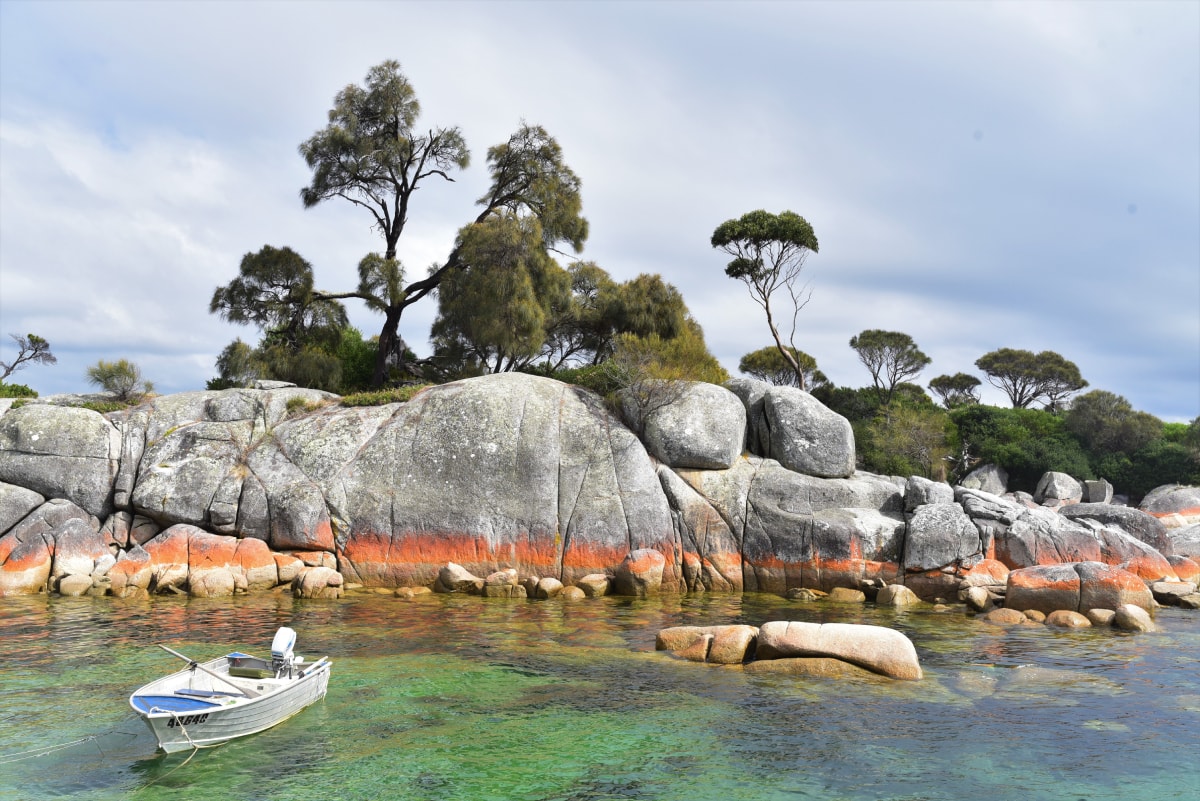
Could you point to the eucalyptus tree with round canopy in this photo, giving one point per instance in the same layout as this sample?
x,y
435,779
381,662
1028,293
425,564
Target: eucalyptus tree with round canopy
x,y
767,364
372,155
769,251
1025,376
891,357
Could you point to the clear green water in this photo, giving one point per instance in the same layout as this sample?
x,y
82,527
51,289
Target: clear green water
x,y
464,698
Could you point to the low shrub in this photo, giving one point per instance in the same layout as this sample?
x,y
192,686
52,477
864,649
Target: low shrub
x,y
16,391
383,396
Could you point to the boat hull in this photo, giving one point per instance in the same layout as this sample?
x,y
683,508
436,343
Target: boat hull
x,y
182,722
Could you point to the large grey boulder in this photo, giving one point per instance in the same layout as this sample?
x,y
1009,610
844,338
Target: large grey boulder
x,y
1186,541
1097,491
919,491
712,555
704,428
1043,537
796,530
1145,527
1177,505
751,392
941,535
61,452
15,503
1057,489
507,470
807,437
988,478
181,471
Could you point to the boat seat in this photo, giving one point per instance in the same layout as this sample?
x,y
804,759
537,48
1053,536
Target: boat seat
x,y
209,693
171,703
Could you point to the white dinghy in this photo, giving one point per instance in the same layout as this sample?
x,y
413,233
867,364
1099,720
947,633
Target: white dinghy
x,y
231,696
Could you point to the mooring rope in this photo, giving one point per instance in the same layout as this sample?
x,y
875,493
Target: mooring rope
x,y
34,753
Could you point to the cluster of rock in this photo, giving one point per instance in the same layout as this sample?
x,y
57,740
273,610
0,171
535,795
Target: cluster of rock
x,y
746,487
824,649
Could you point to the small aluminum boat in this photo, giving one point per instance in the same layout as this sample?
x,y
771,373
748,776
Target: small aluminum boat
x,y
231,696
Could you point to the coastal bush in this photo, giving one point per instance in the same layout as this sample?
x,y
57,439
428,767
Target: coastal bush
x,y
16,391
122,378
1025,442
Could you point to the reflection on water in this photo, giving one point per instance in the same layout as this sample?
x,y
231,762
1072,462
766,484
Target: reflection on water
x,y
451,697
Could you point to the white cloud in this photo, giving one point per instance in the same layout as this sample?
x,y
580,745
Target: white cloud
x,y
970,168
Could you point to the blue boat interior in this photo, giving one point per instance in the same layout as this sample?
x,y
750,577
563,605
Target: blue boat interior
x,y
171,703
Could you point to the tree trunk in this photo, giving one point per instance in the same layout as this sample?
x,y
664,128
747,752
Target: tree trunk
x,y
387,343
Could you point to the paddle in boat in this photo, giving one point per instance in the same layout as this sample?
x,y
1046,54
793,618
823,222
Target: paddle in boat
x,y
208,703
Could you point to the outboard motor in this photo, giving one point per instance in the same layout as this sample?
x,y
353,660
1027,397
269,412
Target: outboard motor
x,y
281,650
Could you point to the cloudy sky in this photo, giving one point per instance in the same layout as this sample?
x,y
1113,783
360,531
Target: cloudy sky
x,y
979,174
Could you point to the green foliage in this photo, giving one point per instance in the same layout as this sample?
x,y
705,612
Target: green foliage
x,y
764,244
299,406
769,364
30,349
769,251
383,396
274,291
104,407
906,441
592,376
493,311
649,372
1025,442
1156,463
372,153
357,358
960,389
122,378
890,356
16,391
1105,422
1027,377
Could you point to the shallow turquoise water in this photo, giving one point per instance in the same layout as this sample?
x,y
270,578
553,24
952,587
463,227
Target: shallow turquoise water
x,y
465,698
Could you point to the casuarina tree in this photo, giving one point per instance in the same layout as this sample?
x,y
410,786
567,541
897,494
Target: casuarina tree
x,y
374,155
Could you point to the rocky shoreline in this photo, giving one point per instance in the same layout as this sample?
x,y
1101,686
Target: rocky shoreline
x,y
746,487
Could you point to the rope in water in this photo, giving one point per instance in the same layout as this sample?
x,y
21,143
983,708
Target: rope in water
x,y
34,753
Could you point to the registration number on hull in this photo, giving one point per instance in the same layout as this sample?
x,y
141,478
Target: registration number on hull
x,y
186,720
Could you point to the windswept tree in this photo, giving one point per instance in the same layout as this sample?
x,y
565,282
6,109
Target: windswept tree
x,y
769,252
768,364
492,313
301,327
891,357
1027,377
956,390
373,155
31,349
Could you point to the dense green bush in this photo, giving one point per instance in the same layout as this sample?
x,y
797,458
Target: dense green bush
x,y
1026,442
16,391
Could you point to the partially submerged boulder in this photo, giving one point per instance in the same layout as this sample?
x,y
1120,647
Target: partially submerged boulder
x,y
1075,587
881,650
728,645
